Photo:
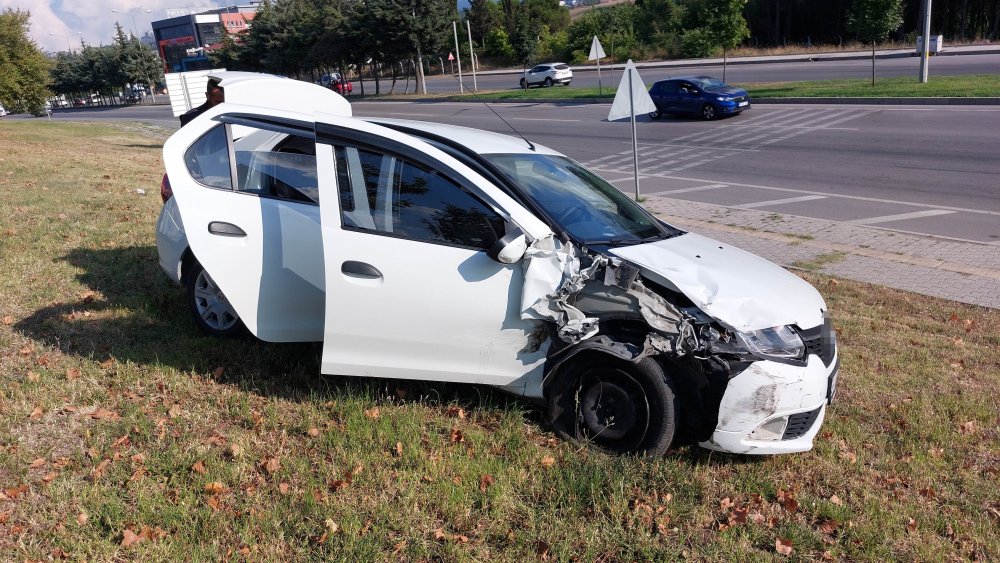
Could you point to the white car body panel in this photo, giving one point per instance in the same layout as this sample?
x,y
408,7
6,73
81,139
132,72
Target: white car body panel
x,y
737,288
424,310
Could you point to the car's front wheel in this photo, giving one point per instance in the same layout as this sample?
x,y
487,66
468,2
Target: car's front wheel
x,y
655,114
209,307
618,406
708,112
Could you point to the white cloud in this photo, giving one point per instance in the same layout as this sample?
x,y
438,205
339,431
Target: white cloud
x,y
53,22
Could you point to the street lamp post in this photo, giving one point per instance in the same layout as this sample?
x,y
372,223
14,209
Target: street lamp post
x,y
67,38
132,15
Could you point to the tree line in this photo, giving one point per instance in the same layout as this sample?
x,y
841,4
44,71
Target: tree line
x,y
386,37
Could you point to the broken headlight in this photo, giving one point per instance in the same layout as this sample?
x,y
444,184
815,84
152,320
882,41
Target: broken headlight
x,y
780,342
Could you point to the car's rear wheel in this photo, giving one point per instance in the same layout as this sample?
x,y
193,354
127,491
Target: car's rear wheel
x,y
548,81
655,114
524,84
209,307
708,112
615,405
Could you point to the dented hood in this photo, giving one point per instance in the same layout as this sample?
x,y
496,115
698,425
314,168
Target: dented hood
x,y
738,289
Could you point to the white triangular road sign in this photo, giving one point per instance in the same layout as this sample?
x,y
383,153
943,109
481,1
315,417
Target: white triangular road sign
x,y
596,51
631,96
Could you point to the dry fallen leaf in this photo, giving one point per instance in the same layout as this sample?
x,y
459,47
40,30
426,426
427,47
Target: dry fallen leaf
x,y
174,411
726,503
548,461
8,320
787,500
456,436
331,526
214,503
37,463
827,526
218,372
36,413
72,373
215,488
484,482
130,538
199,467
271,465
81,518
283,488
372,413
911,525
104,414
967,427
456,412
398,450
836,500
783,546
850,457
33,377
313,432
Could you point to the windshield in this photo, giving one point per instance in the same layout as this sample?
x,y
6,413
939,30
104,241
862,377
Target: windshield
x,y
582,204
711,84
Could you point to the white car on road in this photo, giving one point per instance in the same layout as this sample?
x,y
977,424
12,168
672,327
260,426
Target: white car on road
x,y
425,251
547,74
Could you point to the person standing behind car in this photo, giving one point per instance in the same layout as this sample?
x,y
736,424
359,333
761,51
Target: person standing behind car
x,y
214,95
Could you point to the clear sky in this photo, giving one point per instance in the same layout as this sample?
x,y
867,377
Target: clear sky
x,y
60,24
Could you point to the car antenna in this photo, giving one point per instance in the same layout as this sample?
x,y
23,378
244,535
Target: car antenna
x,y
489,107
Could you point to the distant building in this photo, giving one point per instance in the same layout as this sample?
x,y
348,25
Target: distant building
x,y
182,39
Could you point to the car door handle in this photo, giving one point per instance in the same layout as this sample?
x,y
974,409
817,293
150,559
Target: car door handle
x,y
360,270
225,229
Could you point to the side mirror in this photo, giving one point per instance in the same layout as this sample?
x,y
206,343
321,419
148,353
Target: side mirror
x,y
510,248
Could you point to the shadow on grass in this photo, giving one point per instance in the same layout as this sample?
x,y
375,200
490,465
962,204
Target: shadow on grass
x,y
138,316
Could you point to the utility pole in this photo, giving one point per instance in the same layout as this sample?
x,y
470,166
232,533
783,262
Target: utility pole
x,y
926,47
472,57
458,57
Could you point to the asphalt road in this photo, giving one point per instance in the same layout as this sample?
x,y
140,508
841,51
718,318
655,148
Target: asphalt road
x,y
735,73
928,170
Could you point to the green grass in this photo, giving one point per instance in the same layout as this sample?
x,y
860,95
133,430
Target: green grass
x,y
903,87
118,420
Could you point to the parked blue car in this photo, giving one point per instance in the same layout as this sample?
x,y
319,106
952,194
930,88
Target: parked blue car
x,y
697,95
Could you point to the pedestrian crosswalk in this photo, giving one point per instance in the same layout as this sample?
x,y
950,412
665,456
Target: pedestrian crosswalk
x,y
729,138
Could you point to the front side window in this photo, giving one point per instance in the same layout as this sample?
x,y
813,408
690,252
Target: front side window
x,y
580,202
388,195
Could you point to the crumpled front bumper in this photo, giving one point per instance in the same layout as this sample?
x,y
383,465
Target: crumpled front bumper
x,y
774,408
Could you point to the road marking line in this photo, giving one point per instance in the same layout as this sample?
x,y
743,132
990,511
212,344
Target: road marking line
x,y
543,119
854,197
694,189
781,201
899,217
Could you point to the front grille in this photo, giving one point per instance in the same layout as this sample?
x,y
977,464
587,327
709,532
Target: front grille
x,y
799,424
820,341
740,99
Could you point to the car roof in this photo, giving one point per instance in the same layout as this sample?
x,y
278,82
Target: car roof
x,y
478,140
690,78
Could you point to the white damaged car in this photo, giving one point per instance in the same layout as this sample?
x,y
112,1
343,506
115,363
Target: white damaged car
x,y
417,250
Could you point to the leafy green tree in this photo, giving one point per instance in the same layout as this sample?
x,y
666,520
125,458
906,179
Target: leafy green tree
x,y
524,40
727,26
484,17
657,22
614,26
873,20
24,69
698,43
547,13
497,44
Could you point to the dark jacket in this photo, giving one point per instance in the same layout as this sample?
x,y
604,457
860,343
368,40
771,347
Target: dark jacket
x,y
193,113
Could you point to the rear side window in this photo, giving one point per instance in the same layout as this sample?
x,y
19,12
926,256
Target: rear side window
x,y
561,67
387,195
668,88
207,159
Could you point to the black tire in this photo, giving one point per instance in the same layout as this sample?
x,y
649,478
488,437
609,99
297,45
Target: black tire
x,y
209,307
655,114
708,112
614,405
567,83
524,84
548,81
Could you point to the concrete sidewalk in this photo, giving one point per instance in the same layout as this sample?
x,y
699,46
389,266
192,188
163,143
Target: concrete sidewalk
x,y
963,271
